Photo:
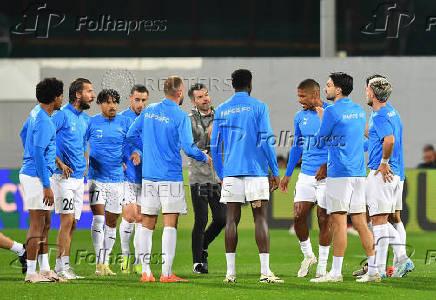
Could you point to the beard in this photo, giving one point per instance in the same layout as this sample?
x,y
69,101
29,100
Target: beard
x,y
181,101
330,98
84,105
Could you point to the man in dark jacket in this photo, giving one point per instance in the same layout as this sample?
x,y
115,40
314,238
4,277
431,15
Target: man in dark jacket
x,y
205,188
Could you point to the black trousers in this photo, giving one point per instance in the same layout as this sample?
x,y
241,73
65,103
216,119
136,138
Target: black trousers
x,y
204,195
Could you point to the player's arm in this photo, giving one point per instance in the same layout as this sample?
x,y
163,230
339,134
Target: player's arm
x,y
187,141
328,122
23,132
269,148
385,131
294,156
216,147
40,142
133,135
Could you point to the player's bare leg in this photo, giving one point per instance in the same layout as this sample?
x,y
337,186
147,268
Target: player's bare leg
x,y
325,239
260,216
301,213
18,248
97,234
126,230
233,216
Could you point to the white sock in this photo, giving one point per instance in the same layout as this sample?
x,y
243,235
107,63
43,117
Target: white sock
x,y
138,227
264,264
97,234
381,241
372,266
65,262
43,262
126,230
169,241
323,256
401,231
396,244
336,266
110,235
17,248
143,251
231,264
306,248
31,267
58,267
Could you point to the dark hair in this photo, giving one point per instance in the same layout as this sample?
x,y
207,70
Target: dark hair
x,y
428,147
104,95
76,86
372,77
138,88
343,81
308,84
48,89
195,87
241,79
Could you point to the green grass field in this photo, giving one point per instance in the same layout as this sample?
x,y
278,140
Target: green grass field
x,y
285,260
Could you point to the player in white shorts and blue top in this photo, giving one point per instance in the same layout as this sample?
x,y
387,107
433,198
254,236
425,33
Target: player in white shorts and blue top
x,y
39,162
164,129
342,132
132,185
310,187
72,165
385,163
107,137
243,138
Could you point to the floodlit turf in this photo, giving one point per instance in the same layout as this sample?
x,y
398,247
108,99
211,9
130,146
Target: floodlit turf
x,y
285,260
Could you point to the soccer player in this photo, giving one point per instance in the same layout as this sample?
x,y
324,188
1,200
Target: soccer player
x,y
242,136
132,184
39,162
106,134
72,161
165,129
310,187
385,163
205,187
17,248
342,130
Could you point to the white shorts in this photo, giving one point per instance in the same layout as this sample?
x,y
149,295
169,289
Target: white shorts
x,y
309,189
110,194
132,193
168,195
33,193
345,194
244,189
398,196
68,195
380,195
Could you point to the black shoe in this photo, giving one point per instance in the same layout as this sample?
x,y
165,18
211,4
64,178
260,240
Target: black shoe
x,y
199,269
23,261
204,258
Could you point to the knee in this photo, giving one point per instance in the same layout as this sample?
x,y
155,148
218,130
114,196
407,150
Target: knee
x,y
323,221
130,218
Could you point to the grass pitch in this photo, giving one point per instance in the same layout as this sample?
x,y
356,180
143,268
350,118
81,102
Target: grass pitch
x,y
285,261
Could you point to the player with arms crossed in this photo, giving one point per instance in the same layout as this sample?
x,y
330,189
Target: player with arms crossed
x,y
310,187
107,136
164,129
383,182
242,136
132,184
342,130
72,162
39,162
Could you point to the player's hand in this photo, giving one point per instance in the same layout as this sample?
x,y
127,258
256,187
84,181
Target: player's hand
x,y
284,184
48,197
386,172
319,111
321,173
124,167
66,170
209,160
136,158
274,182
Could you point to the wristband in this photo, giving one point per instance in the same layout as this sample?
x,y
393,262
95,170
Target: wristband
x,y
385,161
